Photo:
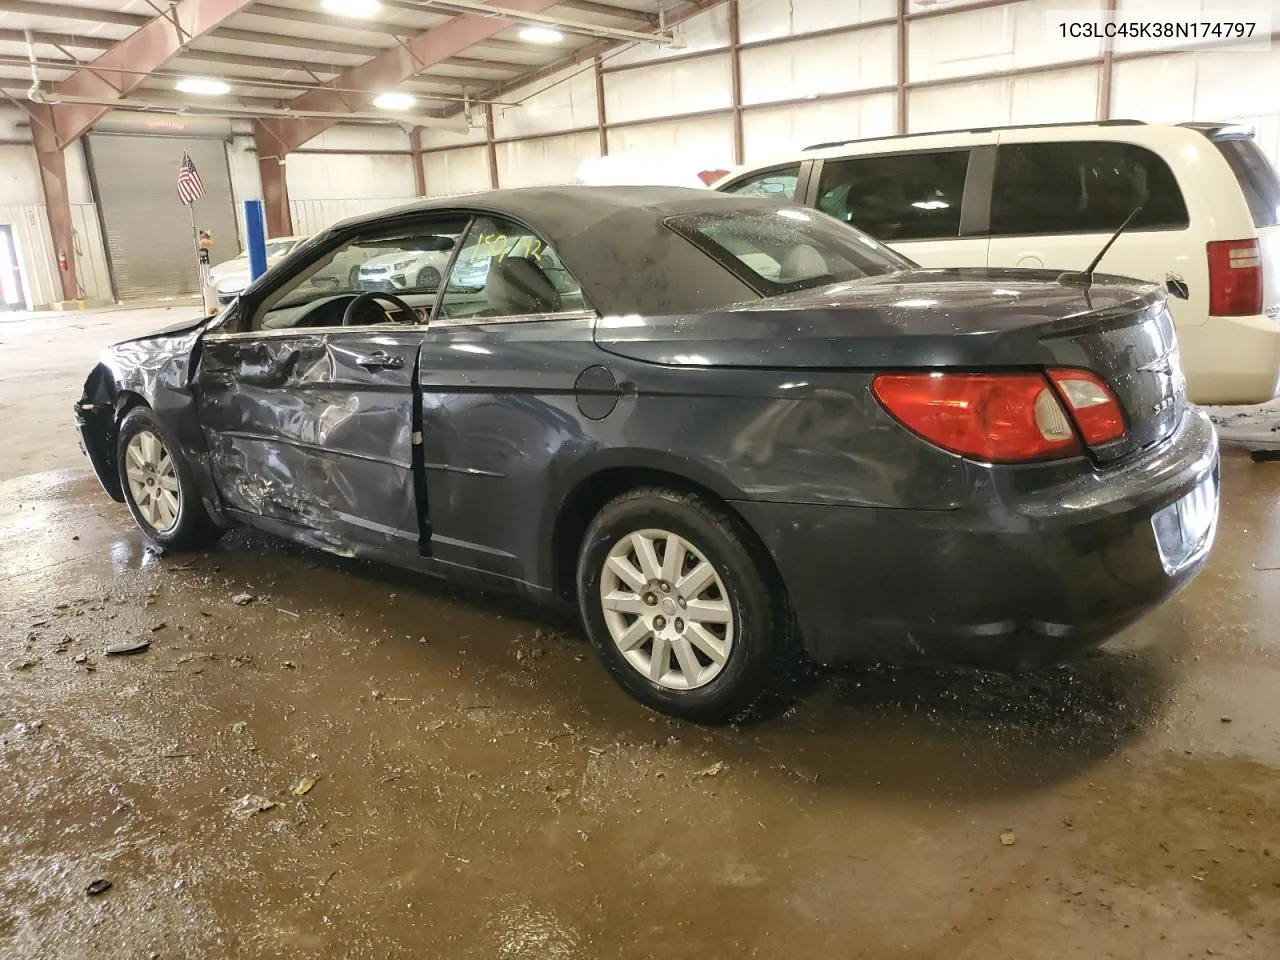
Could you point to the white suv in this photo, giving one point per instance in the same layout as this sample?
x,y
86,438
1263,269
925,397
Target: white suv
x,y
1050,196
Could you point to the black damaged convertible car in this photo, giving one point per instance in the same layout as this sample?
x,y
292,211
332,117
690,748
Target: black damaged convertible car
x,y
717,425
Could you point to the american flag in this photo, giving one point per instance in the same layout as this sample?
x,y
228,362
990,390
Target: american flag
x,y
190,186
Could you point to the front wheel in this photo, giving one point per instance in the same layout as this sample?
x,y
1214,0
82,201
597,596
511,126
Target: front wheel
x,y
681,604
428,279
159,488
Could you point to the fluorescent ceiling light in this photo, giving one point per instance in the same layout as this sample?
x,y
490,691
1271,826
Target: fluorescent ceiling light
x,y
205,86
394,101
541,35
931,205
352,8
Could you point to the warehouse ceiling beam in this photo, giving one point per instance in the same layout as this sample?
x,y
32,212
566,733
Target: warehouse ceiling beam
x,y
589,54
390,69
517,15
147,48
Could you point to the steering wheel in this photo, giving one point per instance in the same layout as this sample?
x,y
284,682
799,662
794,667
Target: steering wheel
x,y
356,306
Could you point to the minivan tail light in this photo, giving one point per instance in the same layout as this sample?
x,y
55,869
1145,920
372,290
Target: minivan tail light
x,y
997,417
1235,278
1093,406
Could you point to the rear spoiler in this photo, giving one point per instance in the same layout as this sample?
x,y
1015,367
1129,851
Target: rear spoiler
x,y
1222,131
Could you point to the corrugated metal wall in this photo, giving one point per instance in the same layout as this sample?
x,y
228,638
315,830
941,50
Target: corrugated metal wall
x,y
311,216
840,84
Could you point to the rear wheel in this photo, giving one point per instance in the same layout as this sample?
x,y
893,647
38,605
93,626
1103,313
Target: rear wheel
x,y
428,279
159,488
680,604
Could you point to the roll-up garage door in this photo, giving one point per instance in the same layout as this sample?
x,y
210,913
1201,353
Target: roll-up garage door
x,y
148,230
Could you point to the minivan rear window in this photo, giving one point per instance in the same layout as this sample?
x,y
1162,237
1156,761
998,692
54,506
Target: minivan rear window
x,y
897,197
1082,187
1256,176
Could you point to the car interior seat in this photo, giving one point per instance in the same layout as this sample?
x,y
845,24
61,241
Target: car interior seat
x,y
802,262
517,285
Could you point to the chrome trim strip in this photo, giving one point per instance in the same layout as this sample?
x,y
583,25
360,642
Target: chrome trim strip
x,y
425,328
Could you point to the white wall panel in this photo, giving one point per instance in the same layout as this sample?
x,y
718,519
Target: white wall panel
x,y
767,19
778,131
19,175
310,216
1191,10
1060,97
706,31
1011,37
667,90
30,224
1177,87
465,170
432,137
701,143
528,163
22,206
856,61
568,105
353,136
315,176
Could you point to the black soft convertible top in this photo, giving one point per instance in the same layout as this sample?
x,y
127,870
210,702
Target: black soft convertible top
x,y
612,239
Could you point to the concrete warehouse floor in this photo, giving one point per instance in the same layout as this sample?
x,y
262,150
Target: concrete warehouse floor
x,y
484,791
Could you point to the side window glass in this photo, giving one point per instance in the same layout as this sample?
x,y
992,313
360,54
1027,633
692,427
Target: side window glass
x,y
908,196
505,270
775,184
1082,187
409,262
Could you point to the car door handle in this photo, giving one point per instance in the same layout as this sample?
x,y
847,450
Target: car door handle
x,y
378,360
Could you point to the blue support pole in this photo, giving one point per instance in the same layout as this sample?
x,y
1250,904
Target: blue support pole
x,y
255,231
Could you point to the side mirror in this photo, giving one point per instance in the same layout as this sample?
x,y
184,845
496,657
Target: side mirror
x,y
1176,286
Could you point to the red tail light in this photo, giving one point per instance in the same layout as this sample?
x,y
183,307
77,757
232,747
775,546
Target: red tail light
x,y
1004,417
1093,405
997,417
1235,278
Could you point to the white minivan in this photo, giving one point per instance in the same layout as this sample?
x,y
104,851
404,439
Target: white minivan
x,y
1050,196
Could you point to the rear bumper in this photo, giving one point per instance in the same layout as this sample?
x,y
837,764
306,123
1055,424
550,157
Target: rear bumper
x,y
1003,585
1231,360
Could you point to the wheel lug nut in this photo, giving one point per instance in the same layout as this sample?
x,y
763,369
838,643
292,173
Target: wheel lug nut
x,y
650,599
679,625
666,587
659,623
683,603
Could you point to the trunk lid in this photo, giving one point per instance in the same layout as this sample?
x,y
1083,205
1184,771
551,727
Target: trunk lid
x,y
922,319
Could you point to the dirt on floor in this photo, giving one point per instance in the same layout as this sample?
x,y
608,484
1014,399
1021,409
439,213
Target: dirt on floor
x,y
318,757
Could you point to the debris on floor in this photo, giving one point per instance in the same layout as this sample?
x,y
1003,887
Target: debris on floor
x,y
125,649
251,804
243,599
98,887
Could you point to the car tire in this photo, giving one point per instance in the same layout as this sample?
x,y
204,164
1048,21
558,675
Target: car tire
x,y
353,278
159,488
428,279
1264,456
739,586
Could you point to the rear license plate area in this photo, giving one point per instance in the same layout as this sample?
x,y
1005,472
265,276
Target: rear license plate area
x,y
1184,528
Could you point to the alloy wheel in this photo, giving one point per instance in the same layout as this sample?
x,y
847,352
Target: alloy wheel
x,y
667,609
153,481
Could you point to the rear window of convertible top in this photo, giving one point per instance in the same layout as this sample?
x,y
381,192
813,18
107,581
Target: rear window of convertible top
x,y
785,249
